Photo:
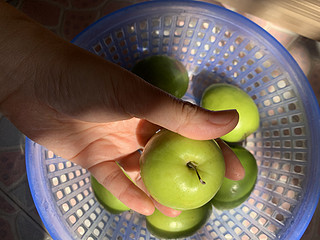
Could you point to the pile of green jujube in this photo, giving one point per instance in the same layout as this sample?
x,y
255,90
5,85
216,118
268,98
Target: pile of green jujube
x,y
186,174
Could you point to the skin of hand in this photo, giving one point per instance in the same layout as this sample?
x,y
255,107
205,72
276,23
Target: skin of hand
x,y
91,111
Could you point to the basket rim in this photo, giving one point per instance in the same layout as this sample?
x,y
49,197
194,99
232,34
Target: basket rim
x,y
41,193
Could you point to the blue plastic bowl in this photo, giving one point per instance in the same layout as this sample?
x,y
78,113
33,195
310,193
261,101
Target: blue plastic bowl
x,y
216,45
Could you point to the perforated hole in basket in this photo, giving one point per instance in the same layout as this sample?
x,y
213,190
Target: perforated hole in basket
x,y
212,51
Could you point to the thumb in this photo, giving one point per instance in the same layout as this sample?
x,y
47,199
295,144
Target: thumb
x,y
180,116
190,120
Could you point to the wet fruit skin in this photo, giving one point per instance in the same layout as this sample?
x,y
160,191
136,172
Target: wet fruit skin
x,y
164,72
220,205
231,192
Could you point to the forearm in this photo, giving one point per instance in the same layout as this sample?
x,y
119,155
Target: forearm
x,y
13,49
23,47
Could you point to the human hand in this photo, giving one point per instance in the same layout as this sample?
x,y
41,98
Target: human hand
x,y
96,113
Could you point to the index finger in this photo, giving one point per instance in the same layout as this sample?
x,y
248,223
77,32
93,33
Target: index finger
x,y
110,175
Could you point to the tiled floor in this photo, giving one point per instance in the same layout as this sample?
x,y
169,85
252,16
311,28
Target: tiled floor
x,y
18,216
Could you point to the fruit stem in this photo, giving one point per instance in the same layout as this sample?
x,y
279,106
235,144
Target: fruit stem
x,y
193,166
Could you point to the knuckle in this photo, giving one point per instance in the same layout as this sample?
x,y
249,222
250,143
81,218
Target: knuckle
x,y
110,180
186,114
123,194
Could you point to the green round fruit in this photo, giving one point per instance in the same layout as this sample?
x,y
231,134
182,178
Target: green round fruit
x,y
222,96
231,190
106,198
230,205
181,173
164,72
184,225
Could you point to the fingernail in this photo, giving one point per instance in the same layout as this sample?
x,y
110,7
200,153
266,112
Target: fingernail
x,y
148,211
235,174
175,213
224,117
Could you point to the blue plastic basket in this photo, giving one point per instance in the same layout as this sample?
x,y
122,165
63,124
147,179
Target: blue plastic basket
x,y
216,45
